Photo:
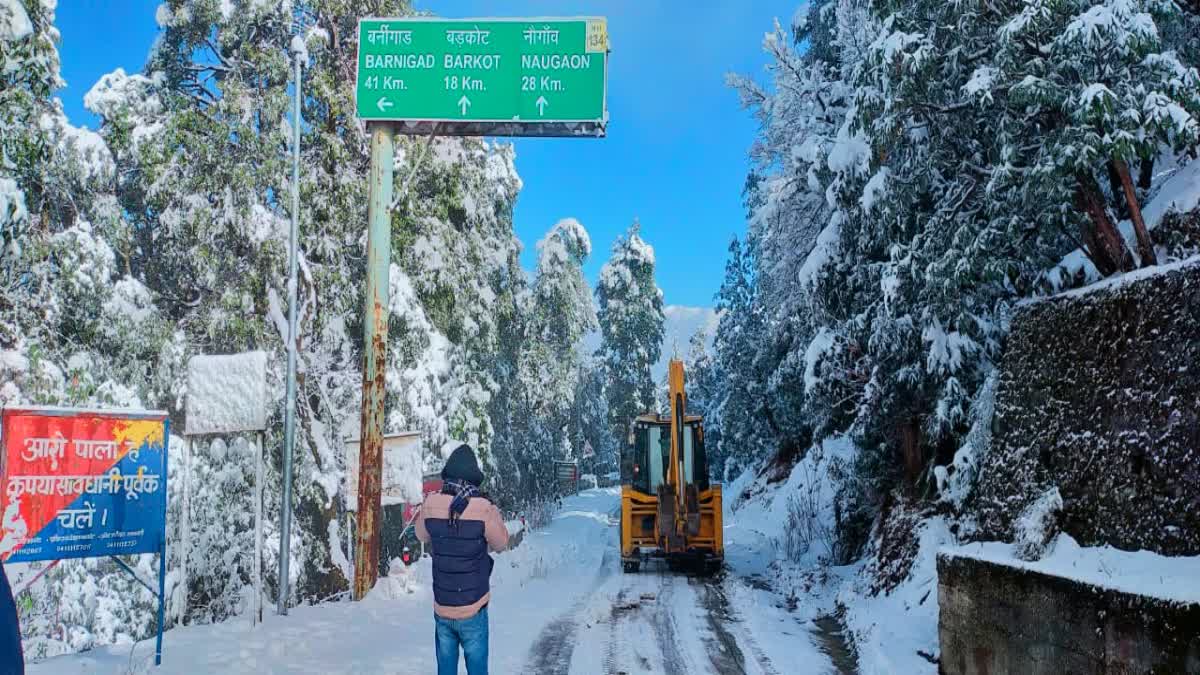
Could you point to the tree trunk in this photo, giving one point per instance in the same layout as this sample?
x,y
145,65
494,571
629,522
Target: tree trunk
x,y
1145,246
910,449
1106,248
1146,172
1114,186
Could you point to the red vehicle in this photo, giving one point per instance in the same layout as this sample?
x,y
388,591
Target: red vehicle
x,y
411,548
430,483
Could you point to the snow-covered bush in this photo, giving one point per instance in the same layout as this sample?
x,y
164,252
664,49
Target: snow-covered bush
x,y
1037,525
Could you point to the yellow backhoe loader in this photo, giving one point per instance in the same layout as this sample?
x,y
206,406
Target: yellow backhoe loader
x,y
669,509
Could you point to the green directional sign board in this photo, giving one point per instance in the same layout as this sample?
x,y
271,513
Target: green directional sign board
x,y
515,75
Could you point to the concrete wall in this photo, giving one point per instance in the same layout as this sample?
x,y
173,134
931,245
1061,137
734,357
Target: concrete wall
x,y
998,619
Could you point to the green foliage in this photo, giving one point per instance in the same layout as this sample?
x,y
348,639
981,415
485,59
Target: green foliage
x,y
918,171
630,311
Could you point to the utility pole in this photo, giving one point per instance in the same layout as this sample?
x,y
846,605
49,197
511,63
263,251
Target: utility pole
x,y
375,334
289,421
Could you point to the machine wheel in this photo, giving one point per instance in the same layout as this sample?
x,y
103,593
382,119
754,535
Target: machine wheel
x,y
630,567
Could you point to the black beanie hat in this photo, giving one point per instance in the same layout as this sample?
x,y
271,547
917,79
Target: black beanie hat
x,y
463,466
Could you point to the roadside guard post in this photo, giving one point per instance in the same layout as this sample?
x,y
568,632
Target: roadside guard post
x,y
454,77
86,484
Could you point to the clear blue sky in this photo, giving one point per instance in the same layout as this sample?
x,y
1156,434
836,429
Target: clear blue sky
x,y
675,155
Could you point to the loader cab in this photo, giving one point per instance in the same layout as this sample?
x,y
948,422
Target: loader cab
x,y
645,464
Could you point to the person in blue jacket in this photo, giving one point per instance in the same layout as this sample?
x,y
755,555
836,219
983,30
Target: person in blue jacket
x,y
12,660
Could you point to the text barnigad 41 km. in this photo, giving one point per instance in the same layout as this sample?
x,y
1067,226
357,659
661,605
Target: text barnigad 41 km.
x,y
524,71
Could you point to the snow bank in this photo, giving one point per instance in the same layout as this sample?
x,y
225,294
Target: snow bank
x,y
391,630
890,629
401,581
1180,193
897,631
1113,283
796,520
1169,578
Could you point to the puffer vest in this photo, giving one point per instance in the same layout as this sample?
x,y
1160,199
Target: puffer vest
x,y
461,564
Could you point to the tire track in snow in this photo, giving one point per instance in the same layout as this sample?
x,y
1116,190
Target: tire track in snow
x,y
665,634
732,642
614,621
552,650
723,650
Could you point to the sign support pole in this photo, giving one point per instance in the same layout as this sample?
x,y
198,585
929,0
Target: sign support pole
x,y
350,541
162,553
379,252
185,541
289,424
256,606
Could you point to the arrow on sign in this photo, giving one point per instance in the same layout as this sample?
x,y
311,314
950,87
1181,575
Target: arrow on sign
x,y
464,103
384,104
541,104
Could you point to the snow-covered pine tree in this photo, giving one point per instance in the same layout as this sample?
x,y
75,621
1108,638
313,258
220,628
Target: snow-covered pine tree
x,y
455,284
558,313
941,219
75,327
631,325
747,430
1104,102
589,422
706,388
210,228
909,313
792,248
908,187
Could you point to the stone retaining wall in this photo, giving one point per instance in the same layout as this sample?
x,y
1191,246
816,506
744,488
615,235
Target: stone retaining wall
x,y
996,619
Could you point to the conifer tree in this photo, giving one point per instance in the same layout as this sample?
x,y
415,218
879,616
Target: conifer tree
x,y
631,325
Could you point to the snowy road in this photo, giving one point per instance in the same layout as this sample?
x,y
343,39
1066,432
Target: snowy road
x,y
560,605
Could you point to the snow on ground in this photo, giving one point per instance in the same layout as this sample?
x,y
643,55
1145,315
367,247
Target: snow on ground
x,y
560,603
1179,193
897,631
1142,572
888,630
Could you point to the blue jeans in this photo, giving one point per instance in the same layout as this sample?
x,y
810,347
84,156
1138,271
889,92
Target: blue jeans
x,y
471,633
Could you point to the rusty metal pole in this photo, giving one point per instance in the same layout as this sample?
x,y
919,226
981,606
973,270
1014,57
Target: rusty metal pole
x,y
370,458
